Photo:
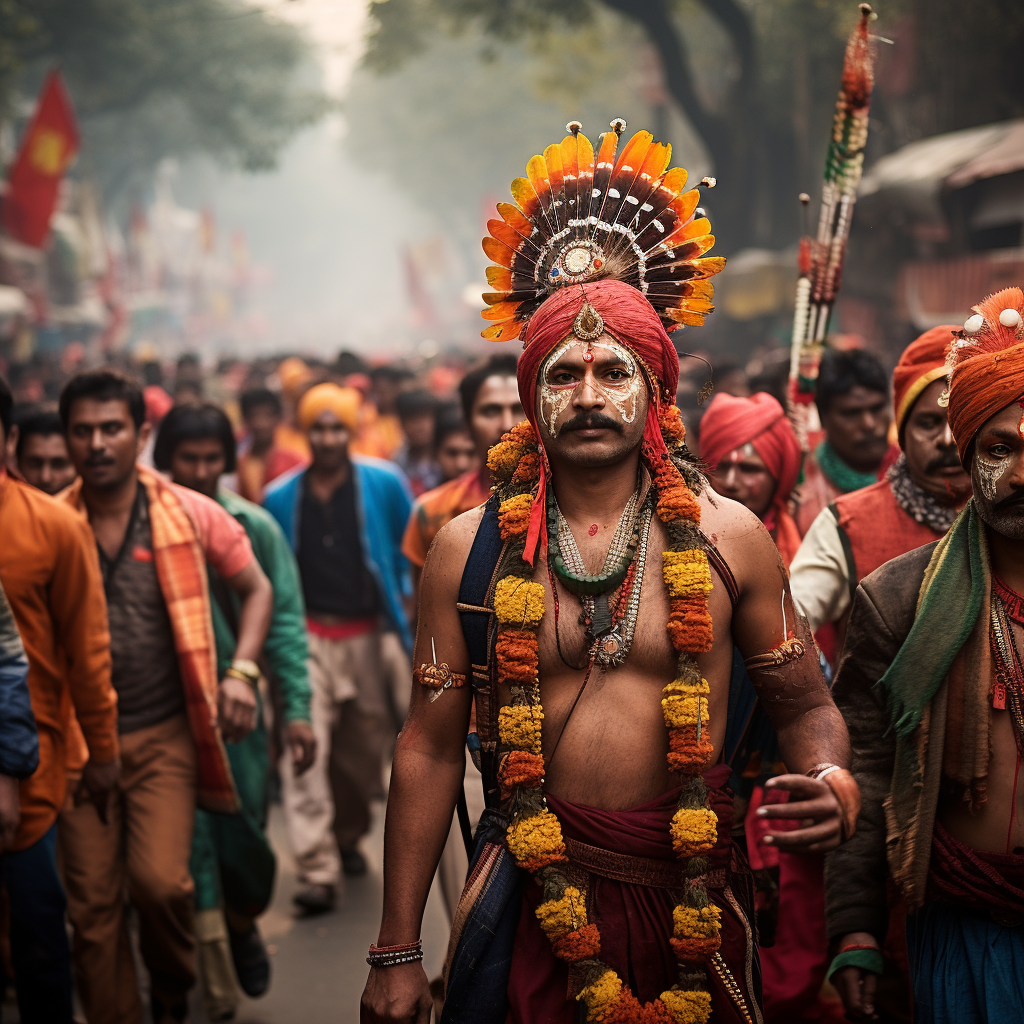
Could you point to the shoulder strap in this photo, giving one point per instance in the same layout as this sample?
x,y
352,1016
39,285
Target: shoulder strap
x,y
474,614
721,566
844,540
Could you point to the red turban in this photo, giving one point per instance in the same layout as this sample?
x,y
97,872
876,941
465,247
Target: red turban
x,y
730,423
923,362
633,322
988,365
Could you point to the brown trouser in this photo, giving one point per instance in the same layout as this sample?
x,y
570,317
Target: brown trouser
x,y
142,850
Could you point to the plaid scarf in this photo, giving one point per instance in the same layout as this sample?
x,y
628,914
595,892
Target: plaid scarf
x,y
181,569
937,689
921,506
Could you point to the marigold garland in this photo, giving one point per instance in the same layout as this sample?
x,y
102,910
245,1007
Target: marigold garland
x,y
534,836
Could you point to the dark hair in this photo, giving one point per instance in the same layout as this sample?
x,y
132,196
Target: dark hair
x,y
37,420
502,364
841,372
103,386
6,405
258,398
194,423
415,403
388,371
449,421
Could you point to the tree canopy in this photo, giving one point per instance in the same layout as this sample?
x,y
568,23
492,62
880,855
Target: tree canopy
x,y
156,78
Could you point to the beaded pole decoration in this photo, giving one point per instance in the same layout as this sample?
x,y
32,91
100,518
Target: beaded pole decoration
x,y
535,835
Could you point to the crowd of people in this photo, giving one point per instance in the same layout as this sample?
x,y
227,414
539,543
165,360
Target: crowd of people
x,y
203,602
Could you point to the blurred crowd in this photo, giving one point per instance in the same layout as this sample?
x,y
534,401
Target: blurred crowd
x,y
247,540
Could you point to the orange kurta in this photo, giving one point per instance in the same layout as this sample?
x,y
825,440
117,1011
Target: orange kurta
x,y
51,574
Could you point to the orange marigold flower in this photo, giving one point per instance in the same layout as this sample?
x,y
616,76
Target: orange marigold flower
x,y
627,1009
516,652
528,470
689,625
521,768
671,423
686,755
677,501
514,516
694,949
582,944
543,860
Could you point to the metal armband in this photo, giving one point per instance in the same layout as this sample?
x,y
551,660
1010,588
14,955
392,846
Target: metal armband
x,y
437,678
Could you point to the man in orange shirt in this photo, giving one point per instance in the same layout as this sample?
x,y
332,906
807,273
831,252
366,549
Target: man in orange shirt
x,y
490,403
51,575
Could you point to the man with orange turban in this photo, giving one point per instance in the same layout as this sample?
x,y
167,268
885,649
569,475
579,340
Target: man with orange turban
x,y
915,504
753,457
540,598
344,517
930,685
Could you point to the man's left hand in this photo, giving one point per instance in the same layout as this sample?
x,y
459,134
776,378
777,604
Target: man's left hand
x,y
301,745
236,708
814,806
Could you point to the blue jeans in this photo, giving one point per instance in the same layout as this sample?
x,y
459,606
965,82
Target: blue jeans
x,y
39,943
965,968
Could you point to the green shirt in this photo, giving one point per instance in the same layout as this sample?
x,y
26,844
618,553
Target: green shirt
x,y
286,648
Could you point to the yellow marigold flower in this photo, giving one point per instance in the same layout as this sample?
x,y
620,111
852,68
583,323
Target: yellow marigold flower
x,y
601,994
519,727
680,688
686,573
687,1007
518,602
681,711
503,458
535,836
691,922
564,915
694,830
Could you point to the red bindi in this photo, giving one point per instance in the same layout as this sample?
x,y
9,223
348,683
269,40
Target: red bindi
x,y
593,530
588,357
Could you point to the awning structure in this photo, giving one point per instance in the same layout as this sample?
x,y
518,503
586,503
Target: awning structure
x,y
914,177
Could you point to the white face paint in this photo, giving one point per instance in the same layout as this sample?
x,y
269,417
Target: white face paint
x,y
989,472
620,387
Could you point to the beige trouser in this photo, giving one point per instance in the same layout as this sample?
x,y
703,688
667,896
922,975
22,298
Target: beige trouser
x,y
328,807
143,849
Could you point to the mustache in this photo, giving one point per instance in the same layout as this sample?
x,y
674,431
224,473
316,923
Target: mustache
x,y
949,459
99,460
591,421
1013,500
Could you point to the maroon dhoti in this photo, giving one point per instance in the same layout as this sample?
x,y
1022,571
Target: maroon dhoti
x,y
635,920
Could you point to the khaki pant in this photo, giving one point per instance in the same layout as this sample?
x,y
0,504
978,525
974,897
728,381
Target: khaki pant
x,y
328,807
143,851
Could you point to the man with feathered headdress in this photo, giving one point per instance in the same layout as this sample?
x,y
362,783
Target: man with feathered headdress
x,y
930,685
591,613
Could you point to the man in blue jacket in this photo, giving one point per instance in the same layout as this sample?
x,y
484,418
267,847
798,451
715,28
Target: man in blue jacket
x,y
344,517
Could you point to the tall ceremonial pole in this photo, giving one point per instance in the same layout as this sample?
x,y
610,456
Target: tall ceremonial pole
x,y
821,258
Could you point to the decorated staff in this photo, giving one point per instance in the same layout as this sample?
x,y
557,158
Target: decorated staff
x,y
821,258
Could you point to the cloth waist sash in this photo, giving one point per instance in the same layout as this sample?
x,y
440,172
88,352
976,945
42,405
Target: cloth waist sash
x,y
989,882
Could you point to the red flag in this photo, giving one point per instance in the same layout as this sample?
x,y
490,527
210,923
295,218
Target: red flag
x,y
47,151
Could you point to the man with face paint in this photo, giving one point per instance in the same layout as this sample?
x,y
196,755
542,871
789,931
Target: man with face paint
x,y
915,504
596,380
754,458
930,685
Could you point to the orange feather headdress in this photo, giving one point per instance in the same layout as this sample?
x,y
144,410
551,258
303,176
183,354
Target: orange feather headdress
x,y
583,216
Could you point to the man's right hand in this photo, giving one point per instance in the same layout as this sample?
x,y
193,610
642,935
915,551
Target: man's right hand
x,y
98,782
10,811
396,995
856,987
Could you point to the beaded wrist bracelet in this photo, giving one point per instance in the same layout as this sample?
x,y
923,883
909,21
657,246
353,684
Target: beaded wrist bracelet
x,y
392,956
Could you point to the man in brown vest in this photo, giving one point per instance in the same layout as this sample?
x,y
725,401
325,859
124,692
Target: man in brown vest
x,y
914,504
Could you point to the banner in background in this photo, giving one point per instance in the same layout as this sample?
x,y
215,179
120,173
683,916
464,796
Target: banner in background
x,y
48,149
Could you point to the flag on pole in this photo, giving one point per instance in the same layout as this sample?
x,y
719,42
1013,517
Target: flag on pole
x,y
48,149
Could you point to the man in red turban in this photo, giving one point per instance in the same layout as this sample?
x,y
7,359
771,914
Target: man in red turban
x,y
754,458
930,686
616,617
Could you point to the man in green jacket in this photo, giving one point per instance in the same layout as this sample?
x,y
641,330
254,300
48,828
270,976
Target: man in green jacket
x,y
232,862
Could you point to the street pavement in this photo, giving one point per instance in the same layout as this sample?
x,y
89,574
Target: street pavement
x,y
319,963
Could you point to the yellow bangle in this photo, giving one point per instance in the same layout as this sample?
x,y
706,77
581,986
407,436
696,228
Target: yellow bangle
x,y
247,671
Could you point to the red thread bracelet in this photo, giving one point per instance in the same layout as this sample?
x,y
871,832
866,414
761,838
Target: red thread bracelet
x,y
403,947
